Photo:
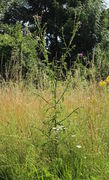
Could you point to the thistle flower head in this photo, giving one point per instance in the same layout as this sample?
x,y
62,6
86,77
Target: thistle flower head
x,y
81,54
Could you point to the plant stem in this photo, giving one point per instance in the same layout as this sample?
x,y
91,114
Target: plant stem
x,y
55,114
55,102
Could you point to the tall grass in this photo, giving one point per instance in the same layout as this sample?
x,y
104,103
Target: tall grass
x,y
77,148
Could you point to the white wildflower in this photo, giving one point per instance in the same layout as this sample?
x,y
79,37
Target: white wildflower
x,y
73,135
78,146
59,128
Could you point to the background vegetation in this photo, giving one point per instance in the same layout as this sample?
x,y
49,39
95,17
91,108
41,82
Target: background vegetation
x,y
85,24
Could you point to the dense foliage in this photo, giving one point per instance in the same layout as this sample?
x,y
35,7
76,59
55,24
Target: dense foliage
x,y
82,23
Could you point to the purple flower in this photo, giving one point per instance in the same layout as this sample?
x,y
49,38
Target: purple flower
x,y
39,17
81,54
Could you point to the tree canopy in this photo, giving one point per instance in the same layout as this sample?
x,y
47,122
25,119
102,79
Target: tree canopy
x,y
85,20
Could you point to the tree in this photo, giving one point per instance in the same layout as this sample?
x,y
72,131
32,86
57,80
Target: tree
x,y
58,14
14,11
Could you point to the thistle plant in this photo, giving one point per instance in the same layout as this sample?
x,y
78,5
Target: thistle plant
x,y
54,125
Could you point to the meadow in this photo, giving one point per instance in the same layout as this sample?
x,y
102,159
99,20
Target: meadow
x,y
54,90
76,147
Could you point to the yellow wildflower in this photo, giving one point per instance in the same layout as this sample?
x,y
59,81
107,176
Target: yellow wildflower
x,y
102,83
107,79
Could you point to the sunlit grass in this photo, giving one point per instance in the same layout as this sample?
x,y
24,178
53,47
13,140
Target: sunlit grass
x,y
83,147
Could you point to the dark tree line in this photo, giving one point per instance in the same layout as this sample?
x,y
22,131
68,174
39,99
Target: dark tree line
x,y
61,18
